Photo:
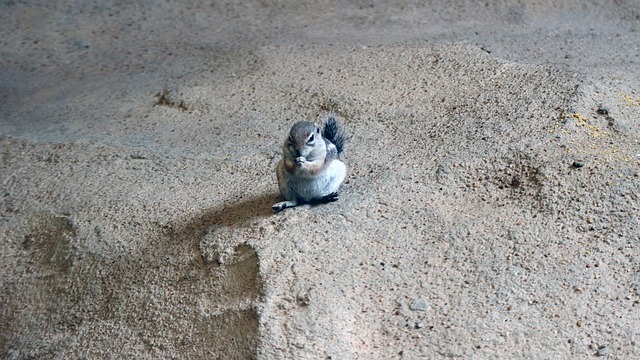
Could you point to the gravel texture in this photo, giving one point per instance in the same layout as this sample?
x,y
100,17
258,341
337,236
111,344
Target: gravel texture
x,y
490,210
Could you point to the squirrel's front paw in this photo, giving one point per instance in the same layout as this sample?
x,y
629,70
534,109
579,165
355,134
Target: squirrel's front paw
x,y
300,160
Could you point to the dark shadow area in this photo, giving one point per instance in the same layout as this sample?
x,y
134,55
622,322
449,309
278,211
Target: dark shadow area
x,y
236,214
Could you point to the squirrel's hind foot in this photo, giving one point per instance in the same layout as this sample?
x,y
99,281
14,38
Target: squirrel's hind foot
x,y
289,204
326,199
283,205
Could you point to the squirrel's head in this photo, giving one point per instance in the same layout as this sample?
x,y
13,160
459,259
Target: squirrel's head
x,y
305,139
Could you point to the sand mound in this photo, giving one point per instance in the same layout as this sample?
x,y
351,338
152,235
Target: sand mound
x,y
490,211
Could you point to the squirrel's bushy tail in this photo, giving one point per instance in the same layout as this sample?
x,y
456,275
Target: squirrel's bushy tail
x,y
334,132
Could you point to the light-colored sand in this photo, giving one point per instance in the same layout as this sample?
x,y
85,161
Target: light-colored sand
x,y
138,148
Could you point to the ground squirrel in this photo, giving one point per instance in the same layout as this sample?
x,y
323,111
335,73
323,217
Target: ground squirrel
x,y
310,170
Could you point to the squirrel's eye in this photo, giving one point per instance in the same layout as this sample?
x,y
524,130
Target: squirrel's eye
x,y
311,138
318,130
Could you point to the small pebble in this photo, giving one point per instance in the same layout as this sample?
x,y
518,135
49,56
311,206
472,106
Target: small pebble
x,y
577,164
603,350
419,325
419,305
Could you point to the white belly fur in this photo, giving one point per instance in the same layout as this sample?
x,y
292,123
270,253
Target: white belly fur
x,y
306,189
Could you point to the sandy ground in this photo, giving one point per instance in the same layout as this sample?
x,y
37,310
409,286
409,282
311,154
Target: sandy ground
x,y
490,211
